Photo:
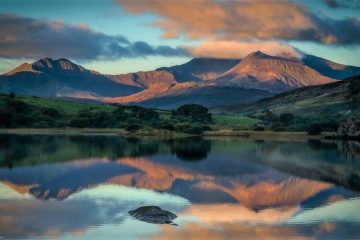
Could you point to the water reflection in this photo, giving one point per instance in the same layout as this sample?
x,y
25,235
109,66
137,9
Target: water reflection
x,y
220,188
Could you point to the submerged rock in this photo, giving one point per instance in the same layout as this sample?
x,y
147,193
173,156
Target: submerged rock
x,y
350,128
153,214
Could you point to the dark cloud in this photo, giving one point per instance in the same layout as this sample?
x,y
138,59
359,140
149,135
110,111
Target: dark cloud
x,y
332,3
244,20
343,3
32,38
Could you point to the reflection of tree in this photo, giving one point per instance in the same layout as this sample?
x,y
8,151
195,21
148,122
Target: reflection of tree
x,y
351,149
37,149
190,149
316,144
15,148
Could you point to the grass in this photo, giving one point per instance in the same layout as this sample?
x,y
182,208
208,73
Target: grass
x,y
234,121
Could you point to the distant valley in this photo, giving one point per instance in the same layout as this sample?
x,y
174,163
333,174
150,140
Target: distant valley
x,y
206,81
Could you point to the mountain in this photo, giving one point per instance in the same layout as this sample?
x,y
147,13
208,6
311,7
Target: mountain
x,y
269,73
200,69
336,98
329,68
208,81
61,78
167,96
144,79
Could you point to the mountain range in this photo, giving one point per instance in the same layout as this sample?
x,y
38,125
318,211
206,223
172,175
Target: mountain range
x,y
207,81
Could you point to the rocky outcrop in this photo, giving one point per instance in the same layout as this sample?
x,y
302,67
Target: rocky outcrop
x,y
350,129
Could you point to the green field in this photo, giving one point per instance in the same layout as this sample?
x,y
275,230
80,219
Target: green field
x,y
66,107
234,121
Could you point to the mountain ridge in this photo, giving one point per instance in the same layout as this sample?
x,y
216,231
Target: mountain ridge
x,y
258,73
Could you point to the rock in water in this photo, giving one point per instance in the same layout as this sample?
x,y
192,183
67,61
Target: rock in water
x,y
153,214
350,128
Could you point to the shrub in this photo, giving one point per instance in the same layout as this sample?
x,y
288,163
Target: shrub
x,y
278,127
41,124
287,118
269,116
168,126
259,128
354,86
194,128
314,129
132,127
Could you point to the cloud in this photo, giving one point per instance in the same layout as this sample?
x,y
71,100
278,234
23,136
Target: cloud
x,y
239,20
235,49
343,3
22,37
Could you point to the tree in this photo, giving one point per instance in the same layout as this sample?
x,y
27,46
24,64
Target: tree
x,y
194,112
315,129
287,118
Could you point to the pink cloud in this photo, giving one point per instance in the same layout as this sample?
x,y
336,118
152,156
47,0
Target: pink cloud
x,y
235,49
244,20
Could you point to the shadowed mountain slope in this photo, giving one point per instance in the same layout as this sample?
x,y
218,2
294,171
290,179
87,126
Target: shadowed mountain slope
x,y
329,68
166,96
338,98
200,69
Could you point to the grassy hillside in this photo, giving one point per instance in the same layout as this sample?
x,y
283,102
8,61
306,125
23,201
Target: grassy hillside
x,y
338,99
66,107
68,110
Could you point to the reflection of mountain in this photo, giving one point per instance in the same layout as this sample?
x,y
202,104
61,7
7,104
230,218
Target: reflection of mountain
x,y
228,176
259,190
233,192
318,161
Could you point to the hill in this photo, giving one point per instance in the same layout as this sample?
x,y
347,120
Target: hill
x,y
339,99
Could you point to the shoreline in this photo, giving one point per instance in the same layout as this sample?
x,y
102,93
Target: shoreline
x,y
161,133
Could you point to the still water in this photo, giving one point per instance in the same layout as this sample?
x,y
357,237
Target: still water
x,y
82,187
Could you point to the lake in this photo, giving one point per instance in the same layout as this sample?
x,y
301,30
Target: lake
x,y
82,187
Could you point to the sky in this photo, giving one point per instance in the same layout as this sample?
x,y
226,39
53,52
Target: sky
x,y
120,36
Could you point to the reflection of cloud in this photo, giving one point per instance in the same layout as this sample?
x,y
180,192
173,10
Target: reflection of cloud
x,y
343,211
90,208
216,213
265,20
9,190
229,232
236,231
33,38
129,194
